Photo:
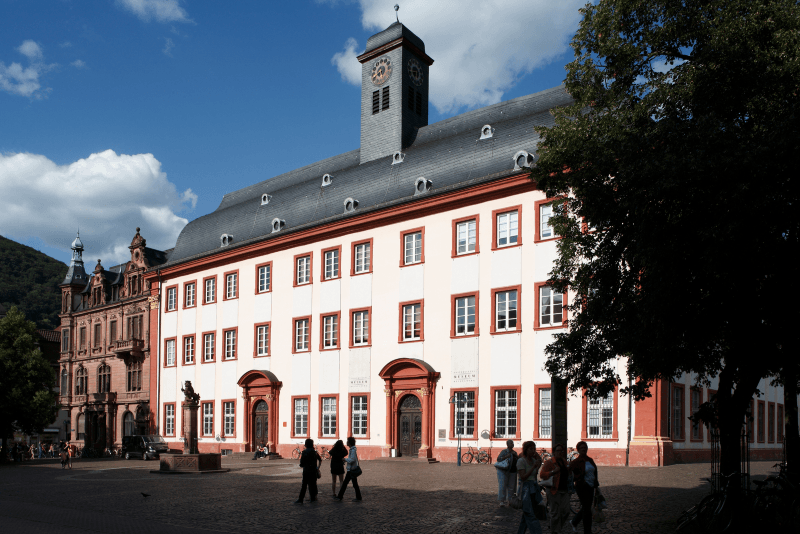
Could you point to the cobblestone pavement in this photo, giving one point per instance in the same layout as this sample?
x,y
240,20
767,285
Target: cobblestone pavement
x,y
256,496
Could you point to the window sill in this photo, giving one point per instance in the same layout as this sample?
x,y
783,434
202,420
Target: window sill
x,y
304,351
537,328
360,346
231,298
169,366
303,284
464,438
330,279
229,360
476,334
328,349
504,247
502,332
261,355
505,439
190,307
411,264
403,341
465,254
210,302
262,292
361,273
170,311
208,361
184,364
547,239
600,439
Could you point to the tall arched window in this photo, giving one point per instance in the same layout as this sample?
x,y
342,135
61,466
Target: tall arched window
x,y
64,382
134,371
80,381
104,379
128,427
81,424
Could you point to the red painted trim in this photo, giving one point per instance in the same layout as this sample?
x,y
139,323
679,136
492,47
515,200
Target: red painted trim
x,y
235,331
493,326
537,206
174,419
474,435
338,420
493,403
453,299
214,347
308,431
350,414
166,298
268,324
271,276
700,426
771,422
400,330
202,419
175,345
682,429
536,316
236,286
585,415
508,209
368,309
294,334
185,287
403,235
454,227
194,349
222,421
536,408
322,317
353,256
310,268
216,289
154,359
322,264
761,429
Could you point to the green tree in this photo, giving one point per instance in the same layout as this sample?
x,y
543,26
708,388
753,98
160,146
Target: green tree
x,y
27,398
682,150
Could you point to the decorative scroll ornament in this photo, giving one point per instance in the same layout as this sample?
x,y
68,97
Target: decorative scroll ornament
x,y
153,300
388,392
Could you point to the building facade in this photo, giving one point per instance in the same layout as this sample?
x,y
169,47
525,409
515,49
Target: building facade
x,y
105,348
396,293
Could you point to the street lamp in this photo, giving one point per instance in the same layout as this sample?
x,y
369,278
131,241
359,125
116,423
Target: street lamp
x,y
459,402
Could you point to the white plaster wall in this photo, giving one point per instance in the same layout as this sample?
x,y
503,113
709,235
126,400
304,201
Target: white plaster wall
x,y
464,362
169,326
411,350
228,376
507,267
262,308
188,321
301,300
169,380
505,358
230,313
328,372
411,283
465,274
330,296
188,372
360,373
361,291
208,375
301,374
209,317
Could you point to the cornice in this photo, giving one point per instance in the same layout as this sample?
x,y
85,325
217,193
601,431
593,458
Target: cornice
x,y
391,45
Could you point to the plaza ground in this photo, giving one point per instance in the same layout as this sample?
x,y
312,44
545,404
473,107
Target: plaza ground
x,y
400,496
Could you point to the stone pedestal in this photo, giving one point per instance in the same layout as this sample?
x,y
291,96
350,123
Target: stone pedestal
x,y
191,463
189,427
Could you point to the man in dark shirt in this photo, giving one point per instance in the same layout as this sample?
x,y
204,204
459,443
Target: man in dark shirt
x,y
310,461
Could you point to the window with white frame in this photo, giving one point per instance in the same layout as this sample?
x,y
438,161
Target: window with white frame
x,y
505,310
361,327
264,278
505,413
230,286
412,248
465,237
362,258
301,335
330,330
545,414
230,344
208,419
328,416
545,212
208,347
332,264
697,396
190,289
169,419
188,349
507,228
172,298
170,349
412,322
303,270
465,316
301,417
600,417
551,307
465,413
211,288
262,340
229,412
359,415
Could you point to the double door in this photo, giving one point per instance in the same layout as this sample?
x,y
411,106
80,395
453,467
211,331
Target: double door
x,y
410,426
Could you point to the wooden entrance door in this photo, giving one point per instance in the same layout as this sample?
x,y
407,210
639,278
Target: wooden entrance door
x,y
261,424
409,418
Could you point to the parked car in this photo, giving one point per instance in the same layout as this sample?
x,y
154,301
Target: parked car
x,y
145,447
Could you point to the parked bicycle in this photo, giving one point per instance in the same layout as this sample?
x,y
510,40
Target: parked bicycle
x,y
480,456
298,451
715,512
777,500
324,453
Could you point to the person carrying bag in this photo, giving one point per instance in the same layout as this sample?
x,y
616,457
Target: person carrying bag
x,y
527,466
353,471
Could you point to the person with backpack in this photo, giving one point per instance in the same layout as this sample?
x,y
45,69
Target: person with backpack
x,y
353,470
310,461
507,475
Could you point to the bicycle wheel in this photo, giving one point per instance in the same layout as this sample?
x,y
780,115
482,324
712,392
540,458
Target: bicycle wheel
x,y
296,454
325,454
466,458
692,514
483,458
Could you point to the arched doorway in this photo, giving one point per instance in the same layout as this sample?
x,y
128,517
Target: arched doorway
x,y
260,423
261,391
409,420
128,427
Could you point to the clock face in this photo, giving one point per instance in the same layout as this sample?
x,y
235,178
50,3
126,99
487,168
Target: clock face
x,y
381,71
415,71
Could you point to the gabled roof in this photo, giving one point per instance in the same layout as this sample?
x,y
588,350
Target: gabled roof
x,y
449,153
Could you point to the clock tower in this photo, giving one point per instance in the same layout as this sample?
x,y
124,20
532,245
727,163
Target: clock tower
x,y
394,91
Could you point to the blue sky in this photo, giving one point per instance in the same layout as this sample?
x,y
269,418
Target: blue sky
x,y
123,113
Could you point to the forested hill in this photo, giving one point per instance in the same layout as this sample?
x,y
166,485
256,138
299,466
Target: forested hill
x,y
29,280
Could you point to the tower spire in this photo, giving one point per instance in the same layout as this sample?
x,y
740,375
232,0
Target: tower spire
x,y
76,273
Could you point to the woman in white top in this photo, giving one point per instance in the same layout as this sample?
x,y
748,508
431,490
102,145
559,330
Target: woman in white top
x,y
352,462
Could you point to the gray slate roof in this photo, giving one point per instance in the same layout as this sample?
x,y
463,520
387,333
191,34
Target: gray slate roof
x,y
448,153
394,31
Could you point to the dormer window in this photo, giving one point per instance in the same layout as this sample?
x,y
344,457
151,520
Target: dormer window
x,y
350,205
277,224
327,180
265,198
226,239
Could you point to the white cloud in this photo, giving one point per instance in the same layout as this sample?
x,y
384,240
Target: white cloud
x,y
168,46
480,47
79,63
65,44
106,195
24,81
160,10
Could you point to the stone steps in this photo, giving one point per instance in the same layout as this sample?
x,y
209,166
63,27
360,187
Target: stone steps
x,y
249,456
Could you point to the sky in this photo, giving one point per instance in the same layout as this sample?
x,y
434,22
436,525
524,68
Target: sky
x,y
117,114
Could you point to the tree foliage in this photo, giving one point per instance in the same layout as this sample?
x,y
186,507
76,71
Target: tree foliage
x,y
27,398
29,280
682,150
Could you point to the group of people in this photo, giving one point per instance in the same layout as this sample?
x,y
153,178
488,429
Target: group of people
x,y
22,451
580,473
262,451
311,462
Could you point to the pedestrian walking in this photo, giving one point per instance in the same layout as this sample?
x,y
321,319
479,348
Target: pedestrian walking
x,y
557,472
353,470
338,452
310,461
527,466
584,474
52,450
506,467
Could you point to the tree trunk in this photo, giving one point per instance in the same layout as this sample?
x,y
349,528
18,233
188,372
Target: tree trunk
x,y
790,423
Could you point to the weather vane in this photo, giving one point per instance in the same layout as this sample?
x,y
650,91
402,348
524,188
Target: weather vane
x,y
396,9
